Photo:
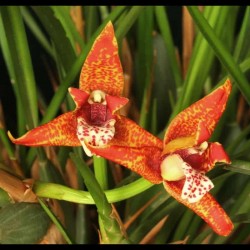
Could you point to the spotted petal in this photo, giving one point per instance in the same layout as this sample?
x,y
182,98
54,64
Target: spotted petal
x,y
206,112
59,132
102,68
196,184
134,148
94,135
207,208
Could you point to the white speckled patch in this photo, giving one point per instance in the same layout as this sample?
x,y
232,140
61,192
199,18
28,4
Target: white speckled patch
x,y
196,184
94,135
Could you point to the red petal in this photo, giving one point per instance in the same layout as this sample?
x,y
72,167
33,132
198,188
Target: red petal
x,y
206,112
215,153
59,132
207,208
79,96
134,148
102,69
115,102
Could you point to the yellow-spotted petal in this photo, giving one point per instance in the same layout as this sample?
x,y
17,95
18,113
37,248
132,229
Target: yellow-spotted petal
x,y
59,132
102,69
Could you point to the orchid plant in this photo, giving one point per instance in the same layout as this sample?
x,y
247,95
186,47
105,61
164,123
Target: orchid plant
x,y
180,161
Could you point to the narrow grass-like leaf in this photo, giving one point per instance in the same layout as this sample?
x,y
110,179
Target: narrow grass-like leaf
x,y
182,228
244,217
239,166
51,22
36,30
235,143
144,64
128,21
56,221
242,237
163,82
242,45
231,105
19,51
63,14
148,223
165,236
82,225
162,22
6,142
111,223
221,51
201,60
91,20
104,12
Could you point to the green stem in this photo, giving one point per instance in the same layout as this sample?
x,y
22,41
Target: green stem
x,y
111,228
61,192
100,168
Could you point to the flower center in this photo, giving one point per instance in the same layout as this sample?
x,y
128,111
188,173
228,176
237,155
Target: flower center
x,y
178,166
98,128
98,107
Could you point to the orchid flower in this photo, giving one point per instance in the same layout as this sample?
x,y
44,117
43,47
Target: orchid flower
x,y
97,100
181,160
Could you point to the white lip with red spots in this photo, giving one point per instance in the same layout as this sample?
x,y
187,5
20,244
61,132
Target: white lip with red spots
x,y
196,184
174,168
94,135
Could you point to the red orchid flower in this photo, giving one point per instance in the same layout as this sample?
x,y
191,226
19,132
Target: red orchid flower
x,y
182,159
97,100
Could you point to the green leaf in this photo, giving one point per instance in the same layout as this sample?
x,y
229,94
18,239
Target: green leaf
x,y
23,223
36,30
242,45
114,232
239,166
221,51
242,218
202,58
164,26
56,221
21,62
51,19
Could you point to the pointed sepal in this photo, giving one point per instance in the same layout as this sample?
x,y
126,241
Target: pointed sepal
x,y
59,132
206,112
102,68
207,208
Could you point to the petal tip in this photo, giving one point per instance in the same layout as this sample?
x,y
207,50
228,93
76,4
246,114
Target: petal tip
x,y
11,137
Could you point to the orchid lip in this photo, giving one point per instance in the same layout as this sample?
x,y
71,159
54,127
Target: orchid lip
x,y
175,168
